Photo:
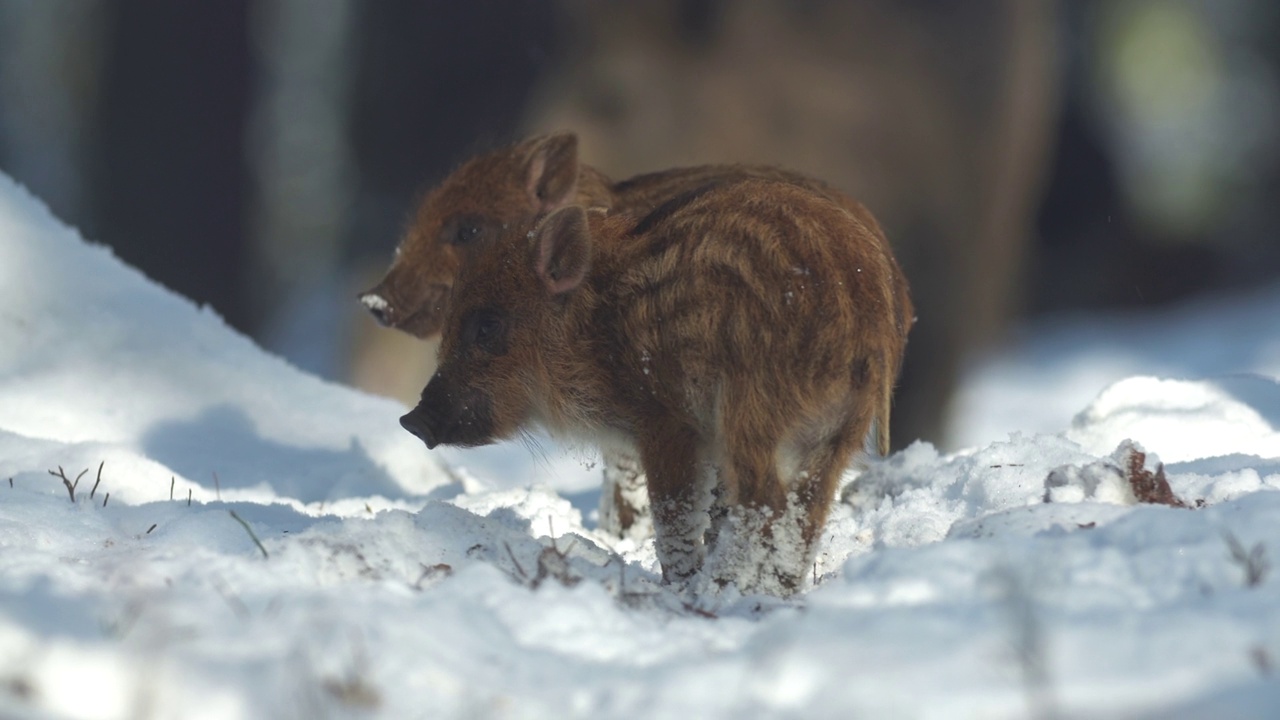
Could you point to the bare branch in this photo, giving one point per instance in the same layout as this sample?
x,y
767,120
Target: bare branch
x,y
71,488
94,489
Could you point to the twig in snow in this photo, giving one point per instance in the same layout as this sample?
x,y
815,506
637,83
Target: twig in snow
x,y
10,483
441,569
1029,644
188,497
233,601
695,610
627,597
217,486
94,489
1261,660
249,530
273,607
1253,561
170,487
523,575
19,687
552,563
121,626
105,498
153,527
71,486
353,688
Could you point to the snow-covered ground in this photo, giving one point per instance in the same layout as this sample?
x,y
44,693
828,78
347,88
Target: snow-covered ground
x,y
274,546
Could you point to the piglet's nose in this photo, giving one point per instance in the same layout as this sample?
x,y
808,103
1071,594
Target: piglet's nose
x,y
378,307
417,423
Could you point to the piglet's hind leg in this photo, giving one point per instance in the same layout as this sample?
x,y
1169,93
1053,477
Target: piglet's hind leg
x,y
678,499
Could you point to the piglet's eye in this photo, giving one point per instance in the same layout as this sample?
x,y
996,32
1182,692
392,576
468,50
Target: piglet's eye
x,y
463,230
487,330
487,327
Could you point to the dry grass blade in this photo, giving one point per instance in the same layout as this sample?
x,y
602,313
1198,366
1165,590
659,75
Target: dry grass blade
x,y
524,576
249,530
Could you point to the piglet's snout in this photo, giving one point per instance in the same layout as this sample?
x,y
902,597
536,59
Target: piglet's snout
x,y
378,306
448,416
420,425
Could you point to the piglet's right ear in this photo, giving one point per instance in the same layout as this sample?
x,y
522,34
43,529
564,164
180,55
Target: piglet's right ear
x,y
563,250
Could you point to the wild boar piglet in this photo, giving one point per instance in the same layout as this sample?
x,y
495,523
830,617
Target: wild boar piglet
x,y
496,196
738,339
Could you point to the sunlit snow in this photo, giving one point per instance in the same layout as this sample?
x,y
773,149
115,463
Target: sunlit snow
x,y
392,583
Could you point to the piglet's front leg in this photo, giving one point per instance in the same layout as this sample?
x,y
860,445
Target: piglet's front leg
x,y
624,498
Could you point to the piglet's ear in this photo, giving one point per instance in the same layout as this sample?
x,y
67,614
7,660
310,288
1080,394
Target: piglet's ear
x,y
552,171
563,249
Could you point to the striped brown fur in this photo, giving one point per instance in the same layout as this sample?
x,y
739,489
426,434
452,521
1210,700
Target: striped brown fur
x,y
502,189
742,341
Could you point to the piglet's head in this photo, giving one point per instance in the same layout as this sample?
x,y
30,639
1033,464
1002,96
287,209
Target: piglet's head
x,y
489,197
504,328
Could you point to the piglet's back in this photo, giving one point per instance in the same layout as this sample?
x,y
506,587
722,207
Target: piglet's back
x,y
763,281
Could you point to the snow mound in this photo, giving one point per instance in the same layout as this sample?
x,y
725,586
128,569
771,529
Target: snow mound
x,y
1184,419
192,528
94,354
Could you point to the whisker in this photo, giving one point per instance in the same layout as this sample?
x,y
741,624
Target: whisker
x,y
536,449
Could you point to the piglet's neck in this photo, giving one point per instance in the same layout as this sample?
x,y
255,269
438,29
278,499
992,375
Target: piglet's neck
x,y
573,374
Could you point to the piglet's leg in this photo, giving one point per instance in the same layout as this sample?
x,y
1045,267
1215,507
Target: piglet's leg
x,y
624,499
748,549
812,491
677,498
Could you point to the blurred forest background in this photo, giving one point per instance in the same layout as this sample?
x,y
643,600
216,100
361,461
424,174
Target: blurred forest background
x,y
1026,157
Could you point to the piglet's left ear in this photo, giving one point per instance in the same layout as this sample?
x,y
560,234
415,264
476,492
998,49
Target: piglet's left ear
x,y
563,249
551,176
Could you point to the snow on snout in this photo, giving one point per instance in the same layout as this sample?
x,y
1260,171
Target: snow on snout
x,y
374,301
